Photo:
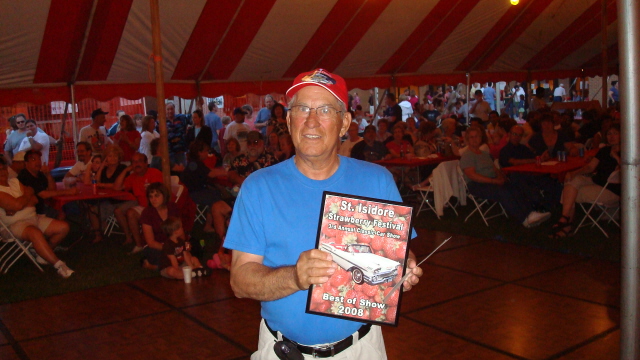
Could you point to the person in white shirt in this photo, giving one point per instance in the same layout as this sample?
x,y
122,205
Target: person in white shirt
x,y
76,173
353,138
559,93
238,129
36,140
405,105
148,134
480,108
95,133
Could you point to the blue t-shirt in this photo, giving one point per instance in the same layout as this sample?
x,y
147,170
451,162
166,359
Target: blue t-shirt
x,y
489,94
213,121
276,216
263,116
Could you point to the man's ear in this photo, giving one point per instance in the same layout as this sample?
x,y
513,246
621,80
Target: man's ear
x,y
346,121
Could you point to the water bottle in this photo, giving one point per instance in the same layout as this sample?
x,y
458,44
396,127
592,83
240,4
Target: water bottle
x,y
94,184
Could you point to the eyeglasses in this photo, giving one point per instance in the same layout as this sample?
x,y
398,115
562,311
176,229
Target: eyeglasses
x,y
322,112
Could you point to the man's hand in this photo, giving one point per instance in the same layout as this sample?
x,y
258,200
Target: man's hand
x,y
414,278
314,267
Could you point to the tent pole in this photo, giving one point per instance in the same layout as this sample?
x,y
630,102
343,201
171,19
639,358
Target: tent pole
x,y
468,95
629,40
162,109
605,60
73,115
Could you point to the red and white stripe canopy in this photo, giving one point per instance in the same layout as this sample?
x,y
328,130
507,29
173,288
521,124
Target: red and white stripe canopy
x,y
234,47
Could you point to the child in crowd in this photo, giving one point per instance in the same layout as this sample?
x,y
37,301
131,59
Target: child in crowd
x,y
177,252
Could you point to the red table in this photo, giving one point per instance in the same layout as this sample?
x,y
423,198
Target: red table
x,y
558,170
413,162
86,193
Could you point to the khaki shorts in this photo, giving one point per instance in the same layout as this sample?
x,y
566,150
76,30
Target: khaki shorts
x,y
588,191
40,221
370,347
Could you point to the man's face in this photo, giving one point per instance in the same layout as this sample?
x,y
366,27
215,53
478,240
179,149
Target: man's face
x,y
515,135
474,138
139,164
255,148
100,119
83,154
313,136
239,118
32,129
268,102
493,117
171,111
21,122
370,136
382,127
33,163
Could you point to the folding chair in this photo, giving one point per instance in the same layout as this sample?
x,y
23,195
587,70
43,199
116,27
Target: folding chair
x,y
112,223
605,208
201,213
12,248
483,206
442,187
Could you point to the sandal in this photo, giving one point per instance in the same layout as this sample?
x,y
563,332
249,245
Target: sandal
x,y
562,224
566,231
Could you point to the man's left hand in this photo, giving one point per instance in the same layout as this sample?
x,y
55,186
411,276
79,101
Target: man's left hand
x,y
415,271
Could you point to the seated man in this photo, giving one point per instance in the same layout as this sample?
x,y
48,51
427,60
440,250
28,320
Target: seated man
x,y
135,179
369,148
18,213
256,158
76,173
40,180
242,166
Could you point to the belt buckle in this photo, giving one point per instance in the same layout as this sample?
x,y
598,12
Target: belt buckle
x,y
323,348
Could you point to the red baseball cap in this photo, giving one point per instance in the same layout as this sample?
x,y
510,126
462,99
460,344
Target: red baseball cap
x,y
321,77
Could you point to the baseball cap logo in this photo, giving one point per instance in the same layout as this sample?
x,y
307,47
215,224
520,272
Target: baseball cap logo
x,y
319,76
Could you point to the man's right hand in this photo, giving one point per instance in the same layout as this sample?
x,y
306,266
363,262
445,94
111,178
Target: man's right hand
x,y
314,267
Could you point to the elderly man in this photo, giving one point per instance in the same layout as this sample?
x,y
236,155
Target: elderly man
x,y
95,133
255,158
559,93
275,221
135,179
264,115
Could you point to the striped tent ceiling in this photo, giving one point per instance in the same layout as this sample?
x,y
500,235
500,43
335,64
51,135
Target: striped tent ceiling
x,y
234,47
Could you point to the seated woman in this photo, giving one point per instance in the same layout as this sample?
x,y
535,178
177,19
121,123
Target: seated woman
x,y
233,150
18,213
550,140
278,121
90,174
484,180
160,209
499,138
399,147
195,177
128,138
106,176
449,141
286,148
579,187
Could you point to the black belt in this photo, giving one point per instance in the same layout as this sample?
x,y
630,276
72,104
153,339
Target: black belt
x,y
327,350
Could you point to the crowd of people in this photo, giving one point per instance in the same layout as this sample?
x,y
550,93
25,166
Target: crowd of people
x,y
204,148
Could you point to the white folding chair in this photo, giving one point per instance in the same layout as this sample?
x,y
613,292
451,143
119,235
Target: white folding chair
x,y
12,248
112,223
201,213
609,209
482,206
440,185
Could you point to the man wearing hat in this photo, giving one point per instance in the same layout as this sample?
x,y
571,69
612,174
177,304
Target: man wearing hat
x,y
275,221
238,129
253,159
95,133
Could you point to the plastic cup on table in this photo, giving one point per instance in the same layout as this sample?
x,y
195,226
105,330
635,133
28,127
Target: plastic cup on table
x,y
186,271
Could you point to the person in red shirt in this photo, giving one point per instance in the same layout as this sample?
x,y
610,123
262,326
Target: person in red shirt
x,y
128,138
135,179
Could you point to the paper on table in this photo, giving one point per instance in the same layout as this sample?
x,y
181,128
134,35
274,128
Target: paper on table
x,y
549,163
